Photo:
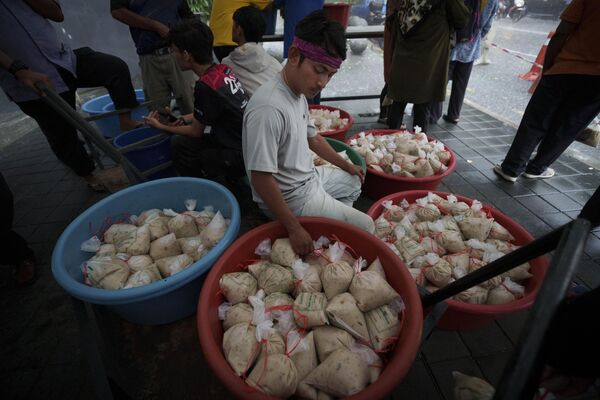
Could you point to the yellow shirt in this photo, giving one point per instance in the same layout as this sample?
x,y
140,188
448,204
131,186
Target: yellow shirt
x,y
221,22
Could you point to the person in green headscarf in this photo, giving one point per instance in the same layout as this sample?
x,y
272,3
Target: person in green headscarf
x,y
421,51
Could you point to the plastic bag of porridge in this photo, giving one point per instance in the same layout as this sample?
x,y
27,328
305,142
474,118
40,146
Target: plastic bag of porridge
x,y
171,265
370,289
329,378
183,226
237,286
165,246
343,312
309,310
282,253
214,231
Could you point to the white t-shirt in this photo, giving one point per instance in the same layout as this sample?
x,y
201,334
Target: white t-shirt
x,y
275,136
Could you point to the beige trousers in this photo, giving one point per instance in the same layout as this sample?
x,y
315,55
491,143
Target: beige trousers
x,y
163,78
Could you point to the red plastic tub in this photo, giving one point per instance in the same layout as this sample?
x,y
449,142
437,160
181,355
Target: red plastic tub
x,y
464,316
338,134
379,184
400,359
339,12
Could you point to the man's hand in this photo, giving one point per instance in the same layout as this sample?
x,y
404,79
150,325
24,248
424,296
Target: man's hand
x,y
30,78
152,120
301,241
356,170
161,29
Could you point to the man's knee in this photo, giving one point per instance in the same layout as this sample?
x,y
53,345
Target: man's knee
x,y
365,222
355,188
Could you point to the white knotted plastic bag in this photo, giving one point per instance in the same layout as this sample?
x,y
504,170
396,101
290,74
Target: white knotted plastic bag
x,y
369,288
237,286
263,250
307,277
92,245
214,231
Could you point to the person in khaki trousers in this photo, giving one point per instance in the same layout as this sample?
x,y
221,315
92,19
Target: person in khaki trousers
x,y
149,23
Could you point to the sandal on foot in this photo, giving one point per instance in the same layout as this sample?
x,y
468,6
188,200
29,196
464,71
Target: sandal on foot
x,y
450,120
548,173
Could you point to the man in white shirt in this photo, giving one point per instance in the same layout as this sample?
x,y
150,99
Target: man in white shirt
x,y
277,138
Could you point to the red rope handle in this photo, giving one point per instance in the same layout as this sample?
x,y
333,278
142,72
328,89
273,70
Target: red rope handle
x,y
246,263
301,333
321,253
281,307
252,357
303,323
388,345
542,396
385,217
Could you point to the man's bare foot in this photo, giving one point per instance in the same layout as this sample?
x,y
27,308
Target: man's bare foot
x,y
128,124
95,184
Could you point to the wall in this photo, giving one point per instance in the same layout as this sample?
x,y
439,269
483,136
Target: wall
x,y
89,23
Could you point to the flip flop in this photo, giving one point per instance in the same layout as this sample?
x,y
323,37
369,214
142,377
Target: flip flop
x,y
96,185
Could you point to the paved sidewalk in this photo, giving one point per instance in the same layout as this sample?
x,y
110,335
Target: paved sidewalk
x,y
40,352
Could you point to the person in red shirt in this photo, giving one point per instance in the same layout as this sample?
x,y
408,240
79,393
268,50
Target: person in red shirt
x,y
567,98
219,102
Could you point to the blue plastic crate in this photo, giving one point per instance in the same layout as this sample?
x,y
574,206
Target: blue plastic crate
x,y
150,155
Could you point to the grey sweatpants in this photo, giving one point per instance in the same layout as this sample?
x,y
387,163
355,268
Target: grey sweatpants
x,y
334,199
162,78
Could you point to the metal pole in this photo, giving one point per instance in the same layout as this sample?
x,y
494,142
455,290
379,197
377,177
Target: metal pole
x,y
141,143
94,152
522,372
89,337
532,250
343,98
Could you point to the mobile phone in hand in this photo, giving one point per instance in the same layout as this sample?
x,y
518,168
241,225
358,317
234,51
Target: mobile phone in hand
x,y
168,115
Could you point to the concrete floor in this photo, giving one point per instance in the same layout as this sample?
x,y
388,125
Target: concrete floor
x,y
41,354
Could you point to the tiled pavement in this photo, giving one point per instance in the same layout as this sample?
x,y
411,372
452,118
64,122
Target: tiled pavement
x,y
40,355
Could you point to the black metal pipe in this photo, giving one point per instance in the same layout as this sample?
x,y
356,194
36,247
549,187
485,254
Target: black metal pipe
x,y
342,98
157,168
143,142
90,340
522,373
370,34
528,252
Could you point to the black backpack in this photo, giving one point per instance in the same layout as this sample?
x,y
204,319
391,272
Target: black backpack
x,y
470,30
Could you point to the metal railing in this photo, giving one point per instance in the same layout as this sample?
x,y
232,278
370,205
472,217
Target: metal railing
x,y
352,32
523,370
522,373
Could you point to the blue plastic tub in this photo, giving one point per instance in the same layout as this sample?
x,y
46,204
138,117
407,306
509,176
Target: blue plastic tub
x,y
109,126
150,155
160,302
